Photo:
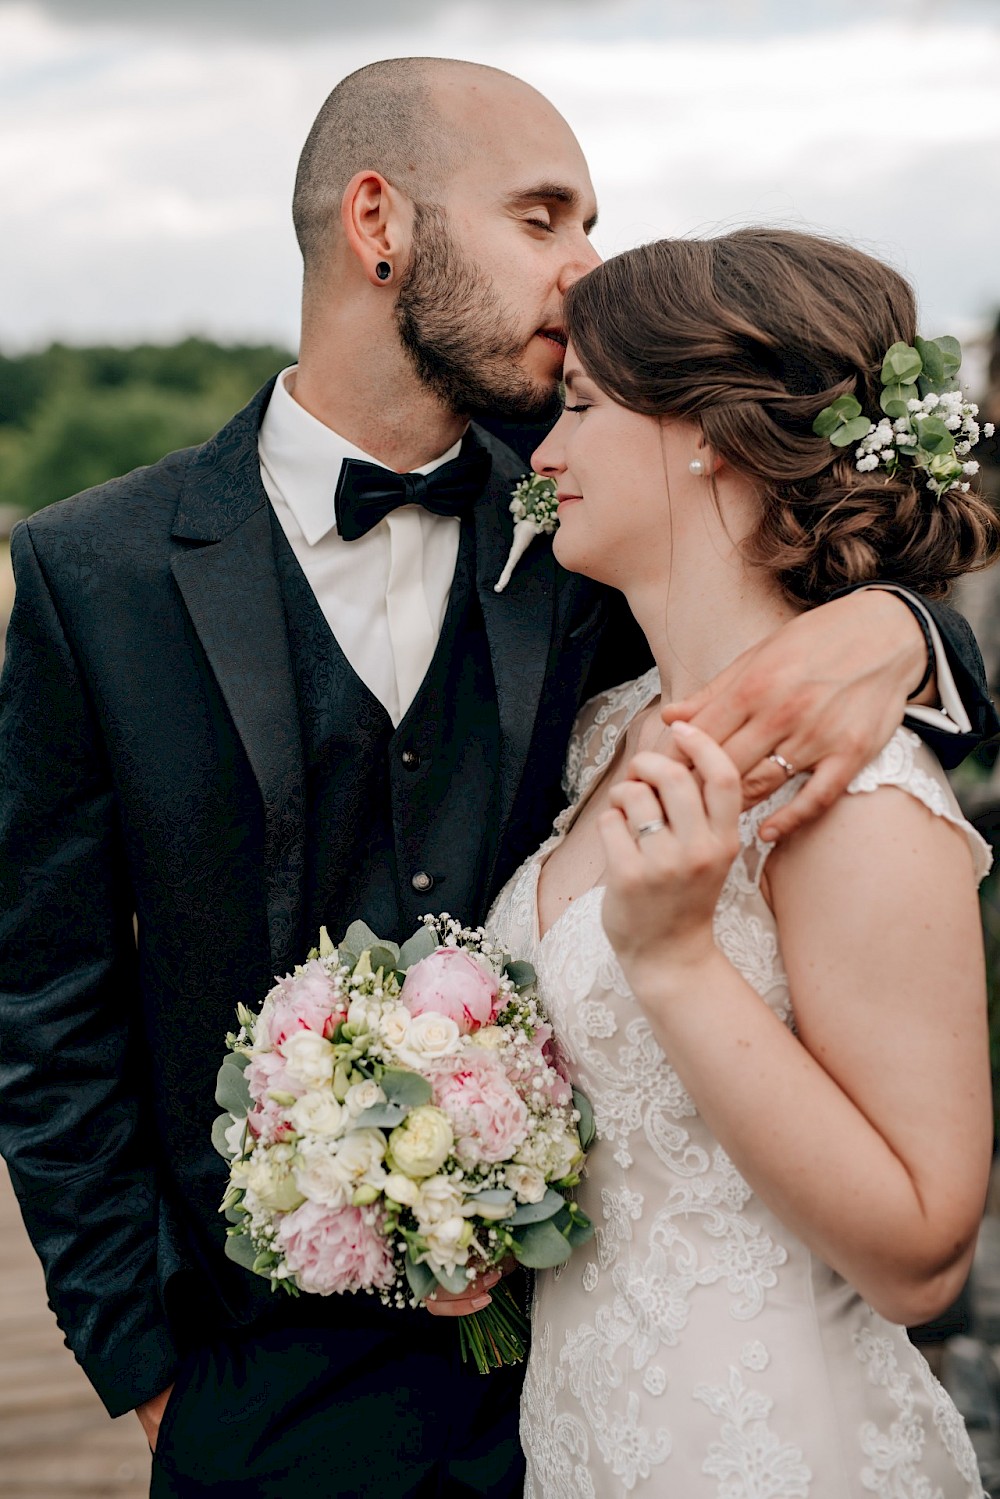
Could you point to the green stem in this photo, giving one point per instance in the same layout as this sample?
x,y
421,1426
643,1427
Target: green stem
x,y
496,1336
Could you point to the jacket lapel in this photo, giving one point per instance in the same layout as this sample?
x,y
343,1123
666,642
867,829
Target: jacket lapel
x,y
230,587
519,621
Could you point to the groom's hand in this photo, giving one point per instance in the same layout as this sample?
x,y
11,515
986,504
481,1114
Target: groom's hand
x,y
150,1414
825,693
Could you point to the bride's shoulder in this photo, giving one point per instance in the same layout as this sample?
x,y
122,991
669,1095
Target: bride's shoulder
x,y
598,726
903,764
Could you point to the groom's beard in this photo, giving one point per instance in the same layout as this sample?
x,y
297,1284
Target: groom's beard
x,y
462,341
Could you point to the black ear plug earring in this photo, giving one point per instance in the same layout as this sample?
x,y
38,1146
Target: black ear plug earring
x,y
383,270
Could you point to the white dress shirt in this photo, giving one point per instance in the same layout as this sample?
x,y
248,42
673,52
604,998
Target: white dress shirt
x,y
384,596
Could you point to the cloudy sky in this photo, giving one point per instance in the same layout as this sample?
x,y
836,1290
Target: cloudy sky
x,y
148,147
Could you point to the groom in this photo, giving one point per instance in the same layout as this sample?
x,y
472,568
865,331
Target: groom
x,y
267,684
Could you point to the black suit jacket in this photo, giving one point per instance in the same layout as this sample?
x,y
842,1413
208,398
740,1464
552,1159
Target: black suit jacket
x,y
151,763
151,767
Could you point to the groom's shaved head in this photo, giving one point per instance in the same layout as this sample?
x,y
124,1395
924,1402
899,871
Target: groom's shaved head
x,y
402,118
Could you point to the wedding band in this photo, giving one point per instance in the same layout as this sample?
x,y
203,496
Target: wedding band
x,y
645,828
786,765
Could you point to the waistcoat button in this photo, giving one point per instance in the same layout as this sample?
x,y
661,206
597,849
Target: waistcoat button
x,y
410,759
422,882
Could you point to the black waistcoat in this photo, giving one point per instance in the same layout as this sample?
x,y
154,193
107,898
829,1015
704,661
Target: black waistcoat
x,y
385,807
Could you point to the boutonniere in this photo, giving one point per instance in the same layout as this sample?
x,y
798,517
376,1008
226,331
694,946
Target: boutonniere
x,y
533,506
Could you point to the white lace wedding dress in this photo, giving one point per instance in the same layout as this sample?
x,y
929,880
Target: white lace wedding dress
x,y
695,1349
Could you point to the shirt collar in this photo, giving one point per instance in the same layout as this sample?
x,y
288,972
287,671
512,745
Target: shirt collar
x,y
303,458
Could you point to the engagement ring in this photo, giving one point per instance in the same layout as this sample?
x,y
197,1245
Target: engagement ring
x,y
786,765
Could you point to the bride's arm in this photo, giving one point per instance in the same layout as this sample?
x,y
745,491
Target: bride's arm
x,y
869,1133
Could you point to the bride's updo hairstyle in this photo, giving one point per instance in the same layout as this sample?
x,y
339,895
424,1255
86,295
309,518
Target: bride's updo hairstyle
x,y
751,335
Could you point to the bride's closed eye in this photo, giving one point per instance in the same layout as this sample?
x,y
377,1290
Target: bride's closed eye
x,y
583,406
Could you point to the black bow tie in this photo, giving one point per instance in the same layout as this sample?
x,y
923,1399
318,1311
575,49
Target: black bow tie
x,y
366,492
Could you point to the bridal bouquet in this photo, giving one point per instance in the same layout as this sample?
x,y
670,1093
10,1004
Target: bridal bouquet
x,y
397,1119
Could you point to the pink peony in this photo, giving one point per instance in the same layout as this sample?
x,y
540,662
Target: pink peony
x,y
267,1073
301,1001
334,1250
450,982
489,1119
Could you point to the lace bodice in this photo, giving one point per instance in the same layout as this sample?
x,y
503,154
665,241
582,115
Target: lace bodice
x,y
695,1348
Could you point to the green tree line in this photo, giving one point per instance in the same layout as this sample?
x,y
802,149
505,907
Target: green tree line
x,y
71,417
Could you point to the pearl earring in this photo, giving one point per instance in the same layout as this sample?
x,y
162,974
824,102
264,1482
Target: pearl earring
x,y
697,468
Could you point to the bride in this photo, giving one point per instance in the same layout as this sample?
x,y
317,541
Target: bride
x,y
785,1045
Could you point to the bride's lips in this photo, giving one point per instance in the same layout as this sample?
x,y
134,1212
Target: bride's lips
x,y
566,499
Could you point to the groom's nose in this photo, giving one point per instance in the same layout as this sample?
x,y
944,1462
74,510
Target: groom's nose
x,y
583,259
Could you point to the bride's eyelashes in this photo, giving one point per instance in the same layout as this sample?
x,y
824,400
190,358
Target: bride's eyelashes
x,y
583,406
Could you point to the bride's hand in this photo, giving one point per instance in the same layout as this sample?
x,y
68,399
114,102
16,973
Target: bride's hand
x,y
474,1298
669,840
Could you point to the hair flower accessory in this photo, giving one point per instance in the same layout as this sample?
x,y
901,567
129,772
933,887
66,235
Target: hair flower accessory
x,y
533,506
926,419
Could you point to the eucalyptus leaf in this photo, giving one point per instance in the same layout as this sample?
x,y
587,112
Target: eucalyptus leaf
x,y
416,948
221,1123
895,397
521,974
234,1215
586,1129
541,1246
951,353
538,1212
381,1116
231,1089
579,1232
357,938
384,956
851,431
240,1249
495,1196
934,435
421,1277
932,359
406,1088
454,1280
843,409
901,365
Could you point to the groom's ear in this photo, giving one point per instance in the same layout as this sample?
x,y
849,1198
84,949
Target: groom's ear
x,y
377,221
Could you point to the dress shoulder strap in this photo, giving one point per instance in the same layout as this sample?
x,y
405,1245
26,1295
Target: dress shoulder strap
x,y
906,763
598,726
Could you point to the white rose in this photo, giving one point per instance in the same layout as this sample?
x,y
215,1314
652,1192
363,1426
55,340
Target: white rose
x,y
361,1096
422,1143
526,1182
317,1114
393,1026
271,1184
564,1156
447,1242
428,1037
363,1013
309,1059
234,1137
401,1189
319,1176
490,1038
438,1199
360,1156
